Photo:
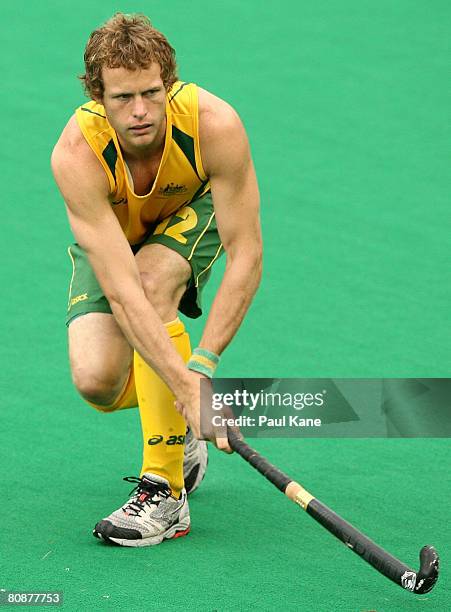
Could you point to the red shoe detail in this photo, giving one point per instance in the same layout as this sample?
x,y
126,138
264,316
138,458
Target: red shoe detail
x,y
179,534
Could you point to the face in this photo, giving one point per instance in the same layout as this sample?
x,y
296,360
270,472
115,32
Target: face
x,y
135,104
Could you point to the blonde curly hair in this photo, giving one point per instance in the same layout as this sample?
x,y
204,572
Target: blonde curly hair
x,y
126,41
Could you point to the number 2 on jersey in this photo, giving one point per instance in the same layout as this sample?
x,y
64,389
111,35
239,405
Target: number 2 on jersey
x,y
176,231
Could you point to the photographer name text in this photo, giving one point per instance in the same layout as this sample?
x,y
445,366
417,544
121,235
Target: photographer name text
x,y
262,420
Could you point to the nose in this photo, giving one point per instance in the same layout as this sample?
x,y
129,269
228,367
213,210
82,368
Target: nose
x,y
139,109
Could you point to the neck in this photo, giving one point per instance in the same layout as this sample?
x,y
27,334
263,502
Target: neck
x,y
149,151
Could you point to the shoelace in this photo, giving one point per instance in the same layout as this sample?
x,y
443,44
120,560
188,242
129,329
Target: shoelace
x,y
144,493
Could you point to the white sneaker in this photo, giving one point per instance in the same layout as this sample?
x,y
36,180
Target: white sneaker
x,y
195,462
150,516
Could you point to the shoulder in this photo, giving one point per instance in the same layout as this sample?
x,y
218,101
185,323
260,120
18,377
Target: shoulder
x,y
216,115
72,154
71,141
221,130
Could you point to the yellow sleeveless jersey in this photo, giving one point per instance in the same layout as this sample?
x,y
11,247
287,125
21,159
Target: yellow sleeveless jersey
x,y
180,178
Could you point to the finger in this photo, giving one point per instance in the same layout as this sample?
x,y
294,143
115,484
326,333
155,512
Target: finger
x,y
194,425
223,445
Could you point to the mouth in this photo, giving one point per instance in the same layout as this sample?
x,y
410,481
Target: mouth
x,y
141,128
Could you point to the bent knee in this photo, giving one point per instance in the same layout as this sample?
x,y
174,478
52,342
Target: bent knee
x,y
164,293
98,389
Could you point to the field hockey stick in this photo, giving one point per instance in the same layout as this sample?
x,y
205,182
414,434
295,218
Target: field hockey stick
x,y
418,582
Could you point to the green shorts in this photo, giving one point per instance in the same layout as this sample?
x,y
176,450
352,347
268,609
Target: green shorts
x,y
191,231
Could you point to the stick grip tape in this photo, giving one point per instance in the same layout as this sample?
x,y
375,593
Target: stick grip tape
x,y
269,471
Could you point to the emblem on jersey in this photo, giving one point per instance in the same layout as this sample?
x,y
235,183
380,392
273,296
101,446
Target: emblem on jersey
x,y
172,189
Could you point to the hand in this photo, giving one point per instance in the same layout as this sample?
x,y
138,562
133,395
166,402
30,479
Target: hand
x,y
196,408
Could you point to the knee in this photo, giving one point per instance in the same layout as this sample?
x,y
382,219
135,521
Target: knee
x,y
152,284
164,276
163,292
96,388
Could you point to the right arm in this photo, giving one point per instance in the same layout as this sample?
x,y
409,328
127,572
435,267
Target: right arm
x,y
84,187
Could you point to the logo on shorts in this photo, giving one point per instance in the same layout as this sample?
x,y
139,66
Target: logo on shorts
x,y
172,189
78,298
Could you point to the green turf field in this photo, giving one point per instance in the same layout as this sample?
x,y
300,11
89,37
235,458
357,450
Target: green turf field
x,y
346,108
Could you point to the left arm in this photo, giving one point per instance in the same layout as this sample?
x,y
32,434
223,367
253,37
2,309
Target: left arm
x,y
228,164
227,161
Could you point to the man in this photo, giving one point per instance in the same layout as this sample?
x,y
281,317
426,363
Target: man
x,y
158,180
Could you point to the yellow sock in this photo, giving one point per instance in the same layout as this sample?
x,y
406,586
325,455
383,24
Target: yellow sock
x,y
160,421
126,399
